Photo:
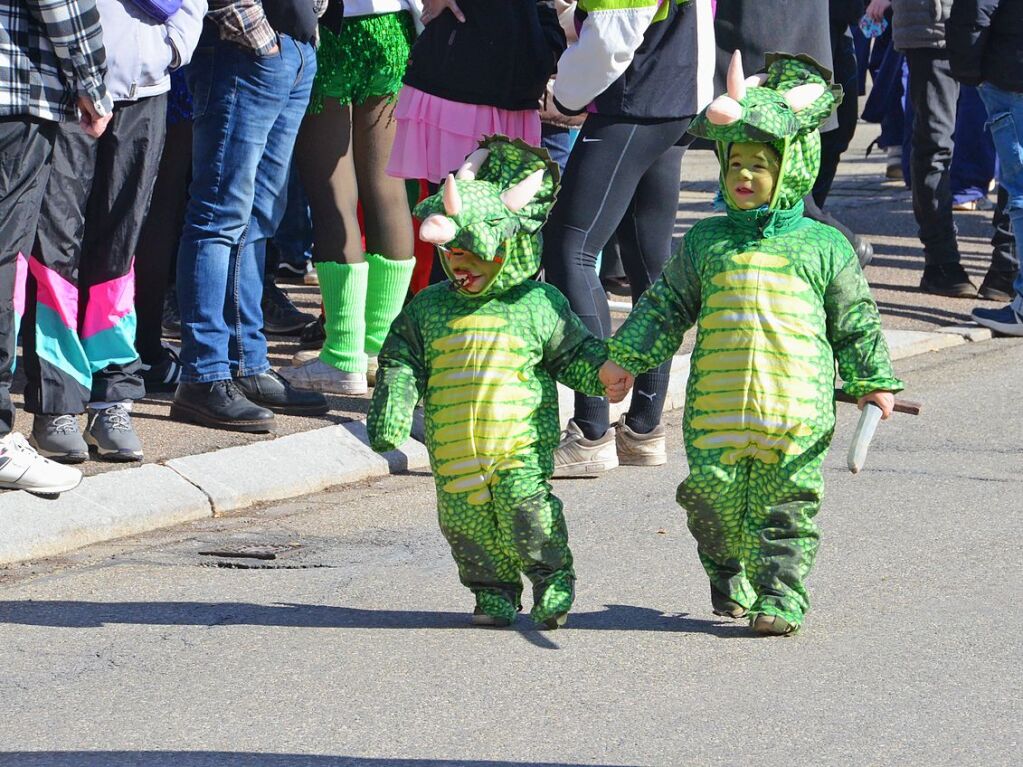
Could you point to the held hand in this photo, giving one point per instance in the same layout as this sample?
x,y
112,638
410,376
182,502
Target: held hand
x,y
617,381
883,399
877,8
434,8
91,122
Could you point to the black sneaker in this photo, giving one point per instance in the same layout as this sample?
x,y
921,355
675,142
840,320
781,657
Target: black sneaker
x,y
947,280
163,375
170,324
280,316
313,335
219,405
290,274
273,392
997,286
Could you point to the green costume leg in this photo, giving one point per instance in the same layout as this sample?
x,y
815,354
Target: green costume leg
x,y
779,536
714,497
531,521
486,566
386,288
343,287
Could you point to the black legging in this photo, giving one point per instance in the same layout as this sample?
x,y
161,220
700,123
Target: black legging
x,y
625,173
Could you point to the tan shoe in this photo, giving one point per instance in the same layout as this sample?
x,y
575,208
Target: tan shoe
x,y
317,375
304,355
640,449
577,456
371,370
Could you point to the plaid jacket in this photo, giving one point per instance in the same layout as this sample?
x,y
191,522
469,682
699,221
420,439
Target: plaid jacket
x,y
50,51
243,22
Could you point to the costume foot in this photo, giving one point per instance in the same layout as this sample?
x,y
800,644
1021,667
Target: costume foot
x,y
555,622
551,606
725,606
772,625
494,609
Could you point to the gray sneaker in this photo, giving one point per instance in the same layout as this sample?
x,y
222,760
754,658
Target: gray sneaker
x,y
636,449
111,435
577,456
58,438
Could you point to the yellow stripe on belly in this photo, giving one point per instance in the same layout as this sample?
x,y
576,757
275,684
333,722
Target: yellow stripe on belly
x,y
771,303
764,403
748,421
472,377
483,339
477,322
759,381
460,395
756,258
480,358
776,281
744,439
483,410
734,319
754,361
760,339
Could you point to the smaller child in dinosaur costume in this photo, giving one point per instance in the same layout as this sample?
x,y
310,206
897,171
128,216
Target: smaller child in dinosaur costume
x,y
776,298
483,352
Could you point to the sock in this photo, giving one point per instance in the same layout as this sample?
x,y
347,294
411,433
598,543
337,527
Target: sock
x,y
591,416
648,400
386,289
343,288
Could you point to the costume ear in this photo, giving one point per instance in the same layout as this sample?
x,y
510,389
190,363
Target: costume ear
x,y
803,96
724,110
452,200
437,229
472,165
736,80
755,81
517,197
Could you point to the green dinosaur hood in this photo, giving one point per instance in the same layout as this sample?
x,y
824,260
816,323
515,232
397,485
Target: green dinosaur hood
x,y
768,117
484,225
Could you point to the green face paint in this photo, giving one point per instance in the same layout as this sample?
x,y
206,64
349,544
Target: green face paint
x,y
751,175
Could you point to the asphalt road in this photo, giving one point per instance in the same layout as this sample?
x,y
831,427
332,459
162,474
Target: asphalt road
x,y
354,648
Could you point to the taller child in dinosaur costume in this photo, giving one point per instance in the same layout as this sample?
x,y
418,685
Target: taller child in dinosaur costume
x,y
483,352
776,298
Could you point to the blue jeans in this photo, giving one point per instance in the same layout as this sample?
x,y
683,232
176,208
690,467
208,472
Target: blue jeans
x,y
1005,112
247,113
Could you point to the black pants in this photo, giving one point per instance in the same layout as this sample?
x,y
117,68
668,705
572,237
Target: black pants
x,y
80,296
1004,257
621,176
835,142
26,151
934,94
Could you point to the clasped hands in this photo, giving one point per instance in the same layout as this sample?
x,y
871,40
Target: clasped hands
x,y
616,379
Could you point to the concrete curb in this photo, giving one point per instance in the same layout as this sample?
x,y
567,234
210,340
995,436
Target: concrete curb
x,y
149,497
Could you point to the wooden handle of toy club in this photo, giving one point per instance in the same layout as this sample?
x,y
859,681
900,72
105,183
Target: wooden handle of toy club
x,y
901,405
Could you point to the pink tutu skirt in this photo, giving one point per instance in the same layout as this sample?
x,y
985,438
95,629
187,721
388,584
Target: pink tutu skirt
x,y
434,135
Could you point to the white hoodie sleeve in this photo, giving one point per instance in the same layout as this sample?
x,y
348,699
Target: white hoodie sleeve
x,y
183,30
608,39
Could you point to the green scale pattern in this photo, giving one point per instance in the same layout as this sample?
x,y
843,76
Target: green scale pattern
x,y
485,366
777,299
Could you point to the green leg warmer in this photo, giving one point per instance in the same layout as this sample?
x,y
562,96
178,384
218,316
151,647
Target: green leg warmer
x,y
385,295
343,287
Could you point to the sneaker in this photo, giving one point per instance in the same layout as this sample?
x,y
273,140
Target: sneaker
x,y
772,625
304,355
725,606
1005,320
313,335
372,364
980,203
997,286
170,324
280,316
164,374
293,274
22,468
893,167
947,280
111,436
317,375
310,277
577,456
636,449
58,438
617,286
864,251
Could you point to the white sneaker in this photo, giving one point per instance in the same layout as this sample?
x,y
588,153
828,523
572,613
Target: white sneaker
x,y
317,375
577,456
303,356
636,449
22,468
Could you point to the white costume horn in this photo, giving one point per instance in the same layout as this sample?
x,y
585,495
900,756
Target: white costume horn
x,y
724,110
736,80
472,165
755,81
437,229
452,200
518,196
803,96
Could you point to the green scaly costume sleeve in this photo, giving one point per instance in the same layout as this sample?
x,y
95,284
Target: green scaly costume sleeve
x,y
854,332
571,354
653,331
400,384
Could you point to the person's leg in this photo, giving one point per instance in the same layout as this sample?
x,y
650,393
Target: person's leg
x,y
835,142
387,219
934,94
997,284
973,155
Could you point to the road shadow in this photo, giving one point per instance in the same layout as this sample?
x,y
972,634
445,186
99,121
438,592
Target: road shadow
x,y
75,614
240,759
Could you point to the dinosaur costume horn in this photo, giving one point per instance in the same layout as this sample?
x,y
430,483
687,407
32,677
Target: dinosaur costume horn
x,y
452,200
802,96
437,229
736,80
518,196
472,165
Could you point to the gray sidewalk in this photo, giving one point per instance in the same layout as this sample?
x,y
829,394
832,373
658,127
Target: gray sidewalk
x,y
191,473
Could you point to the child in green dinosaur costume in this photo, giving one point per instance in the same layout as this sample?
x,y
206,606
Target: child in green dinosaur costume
x,y
776,298
483,352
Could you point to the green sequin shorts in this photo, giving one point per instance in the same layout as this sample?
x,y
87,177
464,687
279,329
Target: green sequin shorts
x,y
366,60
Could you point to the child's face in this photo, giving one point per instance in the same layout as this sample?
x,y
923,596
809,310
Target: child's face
x,y
471,272
752,175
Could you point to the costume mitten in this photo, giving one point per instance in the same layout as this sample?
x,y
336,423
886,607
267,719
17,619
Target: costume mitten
x,y
385,295
343,287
